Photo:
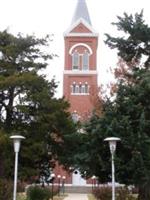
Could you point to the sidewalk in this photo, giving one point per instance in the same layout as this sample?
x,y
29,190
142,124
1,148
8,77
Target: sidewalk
x,y
76,197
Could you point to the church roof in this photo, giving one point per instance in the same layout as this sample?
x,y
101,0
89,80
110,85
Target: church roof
x,y
81,11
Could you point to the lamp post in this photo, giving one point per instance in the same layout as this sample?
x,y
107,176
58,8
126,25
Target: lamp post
x,y
93,182
52,180
59,177
63,184
112,145
17,141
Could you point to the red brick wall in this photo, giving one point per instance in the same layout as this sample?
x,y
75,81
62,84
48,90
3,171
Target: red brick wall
x,y
90,41
83,104
80,29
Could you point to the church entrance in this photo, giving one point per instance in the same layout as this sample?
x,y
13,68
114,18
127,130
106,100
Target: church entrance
x,y
77,180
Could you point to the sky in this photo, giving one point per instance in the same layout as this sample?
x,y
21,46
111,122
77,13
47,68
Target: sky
x,y
42,17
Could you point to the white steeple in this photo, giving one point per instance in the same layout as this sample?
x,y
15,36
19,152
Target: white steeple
x,y
81,12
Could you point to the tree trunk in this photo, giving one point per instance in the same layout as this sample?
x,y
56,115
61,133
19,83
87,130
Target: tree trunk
x,y
144,191
9,110
1,167
141,195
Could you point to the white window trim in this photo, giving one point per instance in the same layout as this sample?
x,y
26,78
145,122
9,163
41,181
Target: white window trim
x,y
79,94
81,72
76,89
81,44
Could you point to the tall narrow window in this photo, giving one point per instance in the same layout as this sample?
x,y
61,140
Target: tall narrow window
x,y
73,88
77,89
83,89
86,88
85,61
75,60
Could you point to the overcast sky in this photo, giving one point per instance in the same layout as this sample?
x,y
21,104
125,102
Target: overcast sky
x,y
41,17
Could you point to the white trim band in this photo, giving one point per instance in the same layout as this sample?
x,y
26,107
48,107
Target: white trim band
x,y
80,72
81,35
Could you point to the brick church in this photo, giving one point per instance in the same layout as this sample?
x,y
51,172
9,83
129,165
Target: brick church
x,y
80,72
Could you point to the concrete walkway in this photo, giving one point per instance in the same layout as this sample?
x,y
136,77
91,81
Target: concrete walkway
x,y
76,197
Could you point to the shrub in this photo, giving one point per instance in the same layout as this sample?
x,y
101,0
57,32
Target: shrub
x,y
38,193
122,193
102,193
105,193
6,189
21,187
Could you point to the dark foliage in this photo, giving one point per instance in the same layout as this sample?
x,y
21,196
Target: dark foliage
x,y
28,107
38,193
6,189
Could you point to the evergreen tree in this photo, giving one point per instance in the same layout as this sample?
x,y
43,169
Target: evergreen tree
x,y
28,107
127,116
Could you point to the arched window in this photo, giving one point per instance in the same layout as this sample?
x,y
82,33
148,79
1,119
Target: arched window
x,y
75,60
79,89
75,88
86,88
83,89
75,117
85,61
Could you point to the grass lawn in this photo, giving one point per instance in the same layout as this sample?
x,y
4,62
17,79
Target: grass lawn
x,y
91,197
61,197
21,196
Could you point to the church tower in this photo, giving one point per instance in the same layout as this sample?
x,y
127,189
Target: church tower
x,y
80,66
80,75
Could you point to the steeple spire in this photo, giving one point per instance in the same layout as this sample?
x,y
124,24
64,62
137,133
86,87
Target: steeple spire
x,y
81,12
